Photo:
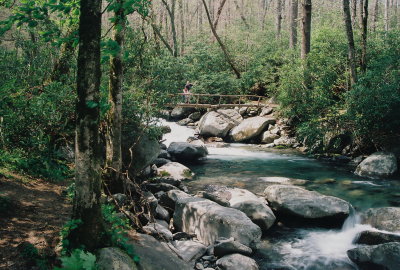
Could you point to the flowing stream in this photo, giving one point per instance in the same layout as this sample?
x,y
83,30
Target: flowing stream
x,y
244,166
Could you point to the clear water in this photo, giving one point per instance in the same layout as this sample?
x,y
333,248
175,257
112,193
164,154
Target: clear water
x,y
304,249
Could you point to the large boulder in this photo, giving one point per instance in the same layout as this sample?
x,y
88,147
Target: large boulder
x,y
218,123
155,255
299,206
210,221
174,171
376,238
189,250
379,164
254,207
378,257
179,113
187,152
385,218
112,258
231,246
158,231
268,137
250,128
145,151
237,262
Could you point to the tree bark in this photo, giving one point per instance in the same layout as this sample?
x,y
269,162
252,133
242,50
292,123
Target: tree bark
x,y
364,37
114,115
354,12
219,11
350,40
294,9
171,13
306,29
375,15
221,44
182,17
90,232
386,15
278,19
361,11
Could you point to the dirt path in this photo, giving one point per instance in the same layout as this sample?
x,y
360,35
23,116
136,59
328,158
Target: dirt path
x,y
38,211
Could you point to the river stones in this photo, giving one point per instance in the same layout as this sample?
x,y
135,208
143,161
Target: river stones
x,y
377,165
155,255
298,206
277,180
187,152
385,218
145,150
251,128
210,221
174,171
268,137
384,256
112,258
179,113
219,123
231,246
254,207
376,238
158,231
237,262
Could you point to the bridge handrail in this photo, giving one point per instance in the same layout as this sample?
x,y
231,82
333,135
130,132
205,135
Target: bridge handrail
x,y
215,95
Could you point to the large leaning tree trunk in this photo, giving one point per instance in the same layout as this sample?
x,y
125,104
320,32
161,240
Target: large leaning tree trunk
x,y
221,44
219,11
306,29
364,28
350,41
90,231
294,9
113,178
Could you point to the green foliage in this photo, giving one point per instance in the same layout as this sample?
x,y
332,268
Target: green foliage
x,y
30,253
64,233
117,230
78,260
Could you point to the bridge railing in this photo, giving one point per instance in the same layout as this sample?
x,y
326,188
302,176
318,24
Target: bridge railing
x,y
215,100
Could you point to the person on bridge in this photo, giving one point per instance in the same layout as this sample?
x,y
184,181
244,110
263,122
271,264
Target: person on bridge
x,y
186,92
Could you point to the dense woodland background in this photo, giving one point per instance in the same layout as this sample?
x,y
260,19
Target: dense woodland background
x,y
332,66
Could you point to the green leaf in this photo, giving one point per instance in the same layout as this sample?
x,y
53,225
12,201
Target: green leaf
x,y
92,104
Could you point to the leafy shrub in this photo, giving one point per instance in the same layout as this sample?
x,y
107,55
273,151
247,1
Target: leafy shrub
x,y
78,260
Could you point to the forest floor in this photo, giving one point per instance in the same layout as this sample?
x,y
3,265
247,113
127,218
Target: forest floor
x,y
30,226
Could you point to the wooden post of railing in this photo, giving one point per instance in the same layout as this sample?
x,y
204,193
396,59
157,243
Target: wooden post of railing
x,y
197,100
219,101
258,103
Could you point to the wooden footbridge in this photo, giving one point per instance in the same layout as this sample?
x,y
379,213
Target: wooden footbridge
x,y
216,101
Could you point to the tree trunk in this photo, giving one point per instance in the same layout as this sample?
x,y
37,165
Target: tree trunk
x,y
114,115
219,11
386,15
62,66
364,37
241,14
294,9
354,12
278,19
306,29
375,15
171,13
350,40
182,17
223,48
90,232
361,12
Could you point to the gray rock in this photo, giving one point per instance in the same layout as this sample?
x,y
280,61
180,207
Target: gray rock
x,y
119,197
285,141
181,112
378,257
164,154
266,111
237,262
156,256
210,221
175,170
385,218
376,238
151,200
183,236
112,258
379,164
250,128
145,150
190,250
231,246
276,180
162,223
196,116
157,187
255,208
187,152
268,137
163,146
161,161
158,231
297,205
185,122
162,213
218,123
